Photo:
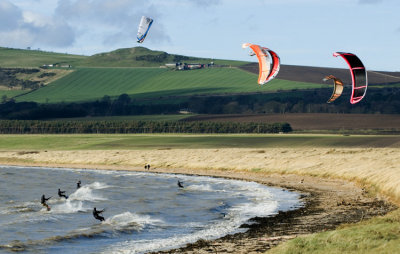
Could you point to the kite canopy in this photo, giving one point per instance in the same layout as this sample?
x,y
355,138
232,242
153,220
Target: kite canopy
x,y
144,26
358,76
337,89
268,62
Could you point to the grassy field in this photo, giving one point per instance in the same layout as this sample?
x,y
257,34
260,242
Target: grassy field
x,y
164,141
11,93
34,58
151,83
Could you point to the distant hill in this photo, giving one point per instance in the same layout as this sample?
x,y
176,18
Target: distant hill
x,y
144,57
127,57
21,58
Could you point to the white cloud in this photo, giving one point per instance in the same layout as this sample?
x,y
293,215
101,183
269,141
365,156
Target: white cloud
x,y
113,20
25,28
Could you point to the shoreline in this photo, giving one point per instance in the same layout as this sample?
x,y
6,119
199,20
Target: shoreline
x,y
328,203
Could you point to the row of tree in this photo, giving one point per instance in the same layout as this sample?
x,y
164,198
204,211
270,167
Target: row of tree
x,y
113,127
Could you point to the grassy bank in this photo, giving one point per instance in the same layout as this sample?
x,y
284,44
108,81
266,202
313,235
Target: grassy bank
x,y
378,235
193,141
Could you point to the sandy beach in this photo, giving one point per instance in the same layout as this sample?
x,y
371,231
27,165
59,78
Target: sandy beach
x,y
337,185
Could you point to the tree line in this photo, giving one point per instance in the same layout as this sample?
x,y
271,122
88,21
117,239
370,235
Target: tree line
x,y
124,127
378,101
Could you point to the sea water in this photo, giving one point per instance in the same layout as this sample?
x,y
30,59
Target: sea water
x,y
143,211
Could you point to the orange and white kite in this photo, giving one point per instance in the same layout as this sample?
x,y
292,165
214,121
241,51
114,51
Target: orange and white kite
x,y
268,62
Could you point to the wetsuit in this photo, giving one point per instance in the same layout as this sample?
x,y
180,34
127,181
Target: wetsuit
x,y
44,199
78,184
180,184
62,194
96,214
43,202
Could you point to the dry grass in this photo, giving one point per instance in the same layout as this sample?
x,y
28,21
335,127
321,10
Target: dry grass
x,y
377,169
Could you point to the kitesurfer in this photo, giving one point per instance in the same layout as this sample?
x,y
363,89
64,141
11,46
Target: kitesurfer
x,y
78,184
96,214
62,194
43,202
180,185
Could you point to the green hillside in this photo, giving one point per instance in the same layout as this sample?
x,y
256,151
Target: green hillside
x,y
143,57
34,58
87,84
127,57
10,93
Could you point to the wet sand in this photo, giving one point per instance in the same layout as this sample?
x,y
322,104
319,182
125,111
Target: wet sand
x,y
328,202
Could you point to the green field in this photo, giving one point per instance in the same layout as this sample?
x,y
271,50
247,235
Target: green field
x,y
11,93
134,142
34,58
87,84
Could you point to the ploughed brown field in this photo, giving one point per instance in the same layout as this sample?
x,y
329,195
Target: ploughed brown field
x,y
316,74
314,121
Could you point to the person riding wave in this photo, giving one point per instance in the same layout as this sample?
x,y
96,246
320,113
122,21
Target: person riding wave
x,y
43,202
96,214
62,194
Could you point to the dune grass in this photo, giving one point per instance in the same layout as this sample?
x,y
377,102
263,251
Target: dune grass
x,y
378,235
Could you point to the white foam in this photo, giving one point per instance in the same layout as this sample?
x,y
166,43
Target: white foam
x,y
128,222
262,205
85,193
200,187
128,219
69,207
213,231
98,186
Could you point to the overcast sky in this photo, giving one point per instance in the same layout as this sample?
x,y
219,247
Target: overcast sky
x,y
302,32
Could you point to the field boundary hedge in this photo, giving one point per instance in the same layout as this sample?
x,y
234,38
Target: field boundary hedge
x,y
128,127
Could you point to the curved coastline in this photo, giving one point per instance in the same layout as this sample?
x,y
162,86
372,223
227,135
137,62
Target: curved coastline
x,y
329,202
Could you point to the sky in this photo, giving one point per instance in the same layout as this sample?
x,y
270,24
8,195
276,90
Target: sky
x,y
301,32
